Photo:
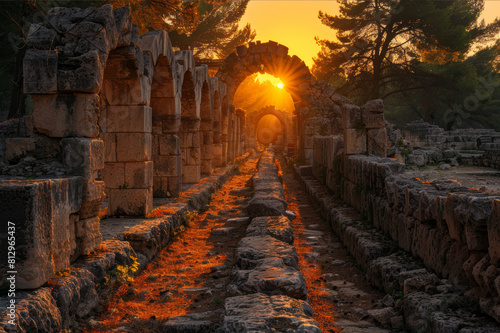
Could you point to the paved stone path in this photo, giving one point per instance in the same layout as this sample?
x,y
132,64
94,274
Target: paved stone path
x,y
193,285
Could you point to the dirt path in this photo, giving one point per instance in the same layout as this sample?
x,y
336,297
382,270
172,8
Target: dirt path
x,y
337,289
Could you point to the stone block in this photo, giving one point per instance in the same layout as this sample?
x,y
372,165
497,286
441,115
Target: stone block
x,y
166,165
113,175
125,92
66,199
122,67
130,119
477,239
169,145
17,148
133,147
82,157
155,145
192,156
372,114
109,140
206,167
27,208
494,233
351,116
206,151
281,50
174,185
185,139
66,115
40,72
87,235
85,76
196,140
377,142
133,202
217,155
191,174
139,174
354,141
160,186
93,192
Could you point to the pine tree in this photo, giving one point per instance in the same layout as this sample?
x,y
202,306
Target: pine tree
x,y
216,34
380,42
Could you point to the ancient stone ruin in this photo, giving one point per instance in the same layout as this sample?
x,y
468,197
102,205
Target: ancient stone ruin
x,y
123,126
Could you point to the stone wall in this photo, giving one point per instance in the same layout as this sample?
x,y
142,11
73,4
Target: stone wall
x,y
118,118
431,144
452,229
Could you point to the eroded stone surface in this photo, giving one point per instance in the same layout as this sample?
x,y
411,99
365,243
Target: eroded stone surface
x,y
262,313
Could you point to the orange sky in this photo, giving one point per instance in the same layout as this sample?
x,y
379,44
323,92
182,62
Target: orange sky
x,y
295,23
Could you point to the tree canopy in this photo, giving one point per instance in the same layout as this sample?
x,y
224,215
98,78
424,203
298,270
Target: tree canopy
x,y
420,55
217,33
208,28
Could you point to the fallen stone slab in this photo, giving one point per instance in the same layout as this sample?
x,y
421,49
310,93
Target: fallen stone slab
x,y
192,323
252,250
265,205
278,227
271,277
266,314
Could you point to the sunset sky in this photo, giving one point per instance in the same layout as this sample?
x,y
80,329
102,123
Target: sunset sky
x,y
295,23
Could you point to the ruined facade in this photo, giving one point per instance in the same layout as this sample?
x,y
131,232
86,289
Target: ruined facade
x,y
120,119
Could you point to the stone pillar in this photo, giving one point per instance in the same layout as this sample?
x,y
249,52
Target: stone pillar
x,y
189,136
238,137
206,138
230,137
224,136
128,171
372,115
166,159
217,150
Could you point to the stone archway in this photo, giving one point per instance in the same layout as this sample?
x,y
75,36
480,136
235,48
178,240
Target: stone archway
x,y
253,119
319,109
271,58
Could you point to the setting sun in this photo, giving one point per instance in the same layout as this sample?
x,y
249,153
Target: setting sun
x,y
280,85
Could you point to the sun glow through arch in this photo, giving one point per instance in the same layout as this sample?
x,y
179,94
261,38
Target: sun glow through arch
x,y
280,85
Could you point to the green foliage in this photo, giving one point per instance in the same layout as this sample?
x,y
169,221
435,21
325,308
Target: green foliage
x,y
121,274
424,58
187,217
216,33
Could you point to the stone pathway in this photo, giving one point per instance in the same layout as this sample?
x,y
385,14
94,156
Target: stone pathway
x,y
230,273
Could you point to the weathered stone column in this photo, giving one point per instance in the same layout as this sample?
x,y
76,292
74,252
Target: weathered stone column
x,y
128,172
189,136
225,136
206,137
166,158
230,136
